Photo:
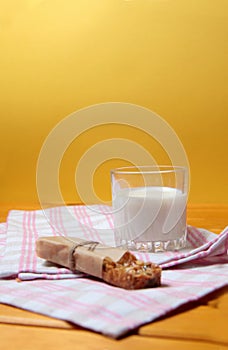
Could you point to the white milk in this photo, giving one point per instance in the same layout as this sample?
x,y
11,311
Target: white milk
x,y
150,217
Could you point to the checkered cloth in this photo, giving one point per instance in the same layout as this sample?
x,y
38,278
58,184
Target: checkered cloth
x,y
58,292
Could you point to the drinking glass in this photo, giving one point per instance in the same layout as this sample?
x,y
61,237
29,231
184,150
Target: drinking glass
x,y
149,207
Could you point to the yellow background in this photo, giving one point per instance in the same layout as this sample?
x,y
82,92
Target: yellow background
x,y
59,56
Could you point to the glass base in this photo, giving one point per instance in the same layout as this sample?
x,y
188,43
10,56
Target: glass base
x,y
155,246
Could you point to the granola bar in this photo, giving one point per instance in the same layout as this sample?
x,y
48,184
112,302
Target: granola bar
x,y
115,266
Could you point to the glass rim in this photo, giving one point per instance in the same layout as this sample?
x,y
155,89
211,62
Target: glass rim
x,y
148,169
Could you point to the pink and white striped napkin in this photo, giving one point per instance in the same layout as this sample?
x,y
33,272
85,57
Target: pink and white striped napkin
x,y
58,292
3,228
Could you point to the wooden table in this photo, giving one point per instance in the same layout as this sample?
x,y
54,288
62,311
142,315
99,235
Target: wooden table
x,y
202,325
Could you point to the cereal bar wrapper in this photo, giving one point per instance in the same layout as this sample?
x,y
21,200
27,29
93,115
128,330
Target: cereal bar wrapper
x,y
77,254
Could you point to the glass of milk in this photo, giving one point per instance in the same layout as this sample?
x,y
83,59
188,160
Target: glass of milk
x,y
149,207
